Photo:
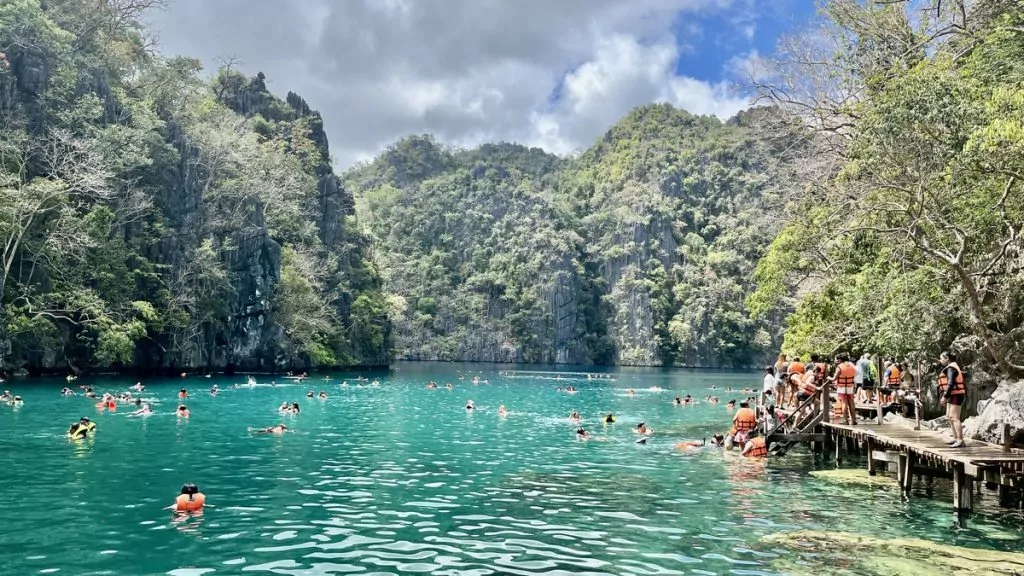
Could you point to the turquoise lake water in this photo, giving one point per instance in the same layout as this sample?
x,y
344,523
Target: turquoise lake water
x,y
398,479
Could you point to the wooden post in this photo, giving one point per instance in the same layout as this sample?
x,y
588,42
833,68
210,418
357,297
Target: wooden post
x,y
826,409
839,448
871,457
878,387
918,404
1004,438
1004,495
905,472
963,493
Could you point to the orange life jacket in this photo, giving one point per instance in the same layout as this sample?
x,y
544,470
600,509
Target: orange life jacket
x,y
822,369
807,384
760,450
186,504
796,368
846,374
958,384
894,376
745,420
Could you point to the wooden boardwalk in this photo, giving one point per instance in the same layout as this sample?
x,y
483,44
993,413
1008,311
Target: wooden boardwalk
x,y
931,447
912,453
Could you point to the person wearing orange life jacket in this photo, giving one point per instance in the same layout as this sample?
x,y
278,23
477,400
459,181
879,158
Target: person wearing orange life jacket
x,y
891,381
821,367
807,385
190,499
952,394
755,448
743,423
844,381
796,366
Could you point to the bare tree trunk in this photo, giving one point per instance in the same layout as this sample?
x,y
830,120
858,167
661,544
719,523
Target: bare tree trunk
x,y
977,317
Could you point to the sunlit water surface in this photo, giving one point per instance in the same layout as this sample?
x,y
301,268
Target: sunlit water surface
x,y
398,479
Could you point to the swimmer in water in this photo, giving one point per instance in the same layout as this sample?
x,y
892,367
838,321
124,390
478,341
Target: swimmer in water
x,y
449,386
145,410
251,381
183,411
582,434
310,394
182,394
630,392
718,440
214,390
731,404
470,406
432,386
691,444
643,430
295,408
67,391
81,429
190,500
502,411
678,401
574,416
322,395
284,407
279,429
609,419
16,401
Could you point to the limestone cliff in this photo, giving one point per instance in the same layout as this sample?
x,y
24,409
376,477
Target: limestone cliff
x,y
638,252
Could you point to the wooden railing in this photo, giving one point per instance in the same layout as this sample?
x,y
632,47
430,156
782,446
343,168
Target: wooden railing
x,y
800,423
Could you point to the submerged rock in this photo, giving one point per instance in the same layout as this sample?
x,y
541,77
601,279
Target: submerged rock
x,y
1005,406
850,554
853,476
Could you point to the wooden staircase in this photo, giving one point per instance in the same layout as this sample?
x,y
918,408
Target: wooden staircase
x,y
800,425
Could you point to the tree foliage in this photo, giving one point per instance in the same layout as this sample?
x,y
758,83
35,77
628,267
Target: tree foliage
x,y
150,218
640,251
909,228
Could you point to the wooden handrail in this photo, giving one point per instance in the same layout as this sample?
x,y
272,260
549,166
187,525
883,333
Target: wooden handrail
x,y
797,411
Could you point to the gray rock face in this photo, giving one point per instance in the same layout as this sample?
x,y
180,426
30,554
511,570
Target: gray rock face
x,y
1006,405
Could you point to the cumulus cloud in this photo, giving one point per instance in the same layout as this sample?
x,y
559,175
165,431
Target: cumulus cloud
x,y
553,74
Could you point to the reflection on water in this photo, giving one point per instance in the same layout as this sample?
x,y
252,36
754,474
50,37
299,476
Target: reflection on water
x,y
398,479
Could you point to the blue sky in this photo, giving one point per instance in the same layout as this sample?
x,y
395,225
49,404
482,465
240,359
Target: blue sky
x,y
550,73
723,35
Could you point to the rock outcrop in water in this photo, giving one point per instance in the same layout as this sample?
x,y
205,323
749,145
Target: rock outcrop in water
x,y
639,252
856,555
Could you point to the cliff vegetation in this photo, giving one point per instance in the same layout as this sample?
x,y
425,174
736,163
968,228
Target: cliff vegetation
x,y
153,219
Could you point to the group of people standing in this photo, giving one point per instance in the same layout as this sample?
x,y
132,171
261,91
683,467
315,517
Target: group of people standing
x,y
790,382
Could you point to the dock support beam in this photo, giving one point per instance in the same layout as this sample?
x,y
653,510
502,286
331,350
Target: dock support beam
x,y
963,493
905,473
871,457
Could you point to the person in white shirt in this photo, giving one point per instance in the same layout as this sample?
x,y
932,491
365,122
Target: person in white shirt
x,y
769,384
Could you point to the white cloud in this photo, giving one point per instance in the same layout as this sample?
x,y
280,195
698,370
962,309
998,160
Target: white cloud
x,y
747,68
467,71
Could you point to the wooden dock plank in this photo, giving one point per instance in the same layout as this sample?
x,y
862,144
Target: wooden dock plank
x,y
929,443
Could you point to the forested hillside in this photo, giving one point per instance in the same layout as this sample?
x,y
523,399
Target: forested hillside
x,y
640,251
905,234
151,219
